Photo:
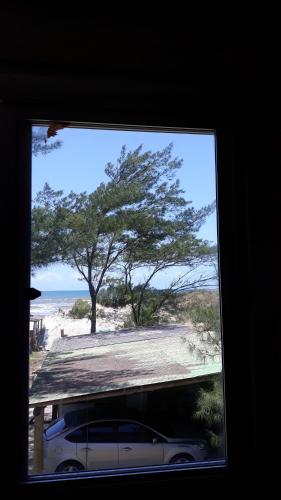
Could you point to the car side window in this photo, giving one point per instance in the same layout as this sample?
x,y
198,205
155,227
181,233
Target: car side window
x,y
78,436
100,433
129,432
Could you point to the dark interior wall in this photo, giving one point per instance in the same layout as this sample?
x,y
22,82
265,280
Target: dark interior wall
x,y
71,63
162,64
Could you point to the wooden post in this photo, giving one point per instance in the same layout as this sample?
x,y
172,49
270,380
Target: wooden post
x,y
62,333
34,336
54,412
38,439
30,342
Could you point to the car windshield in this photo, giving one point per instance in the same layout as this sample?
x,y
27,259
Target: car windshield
x,y
55,428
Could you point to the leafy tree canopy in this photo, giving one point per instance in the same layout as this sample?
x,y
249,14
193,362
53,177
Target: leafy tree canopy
x,y
40,144
139,217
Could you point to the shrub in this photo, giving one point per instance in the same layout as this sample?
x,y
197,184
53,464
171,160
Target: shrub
x,y
147,304
210,411
113,296
81,309
145,319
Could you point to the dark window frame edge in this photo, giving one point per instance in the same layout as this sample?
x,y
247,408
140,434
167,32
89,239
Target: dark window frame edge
x,y
22,119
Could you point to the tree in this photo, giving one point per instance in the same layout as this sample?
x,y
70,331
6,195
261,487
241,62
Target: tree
x,y
206,320
40,145
210,401
170,242
92,232
210,411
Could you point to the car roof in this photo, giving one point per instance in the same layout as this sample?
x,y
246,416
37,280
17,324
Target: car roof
x,y
84,416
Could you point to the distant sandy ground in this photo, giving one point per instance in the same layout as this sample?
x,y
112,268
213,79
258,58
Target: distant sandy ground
x,y
108,319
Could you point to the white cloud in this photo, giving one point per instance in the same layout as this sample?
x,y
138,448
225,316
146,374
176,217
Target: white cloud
x,y
58,277
47,277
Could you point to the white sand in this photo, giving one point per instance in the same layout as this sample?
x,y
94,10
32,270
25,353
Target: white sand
x,y
108,319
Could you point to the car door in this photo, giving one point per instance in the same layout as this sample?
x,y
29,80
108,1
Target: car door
x,y
138,445
95,446
102,449
78,438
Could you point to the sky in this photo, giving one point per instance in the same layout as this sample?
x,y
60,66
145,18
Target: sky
x,y
79,166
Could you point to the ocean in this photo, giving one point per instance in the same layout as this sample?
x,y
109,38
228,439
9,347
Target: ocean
x,y
52,300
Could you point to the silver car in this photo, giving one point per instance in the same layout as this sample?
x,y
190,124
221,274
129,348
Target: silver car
x,y
114,443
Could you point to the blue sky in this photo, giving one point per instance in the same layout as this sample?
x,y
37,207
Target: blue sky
x,y
79,166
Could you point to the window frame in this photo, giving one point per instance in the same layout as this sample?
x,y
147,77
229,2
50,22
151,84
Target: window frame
x,y
232,235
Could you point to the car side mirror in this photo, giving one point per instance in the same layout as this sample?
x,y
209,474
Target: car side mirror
x,y
154,440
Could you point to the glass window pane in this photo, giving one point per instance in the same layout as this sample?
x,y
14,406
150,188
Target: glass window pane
x,y
100,433
125,339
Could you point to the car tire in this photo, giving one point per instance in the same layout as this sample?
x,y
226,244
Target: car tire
x,y
181,458
70,466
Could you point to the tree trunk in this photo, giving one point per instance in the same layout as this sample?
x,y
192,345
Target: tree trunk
x,y
93,312
135,318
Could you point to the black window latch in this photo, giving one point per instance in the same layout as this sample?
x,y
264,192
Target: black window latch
x,y
32,293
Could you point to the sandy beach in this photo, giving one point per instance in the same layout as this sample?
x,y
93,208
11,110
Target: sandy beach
x,y
108,319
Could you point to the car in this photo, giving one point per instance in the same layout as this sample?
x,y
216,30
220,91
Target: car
x,y
71,446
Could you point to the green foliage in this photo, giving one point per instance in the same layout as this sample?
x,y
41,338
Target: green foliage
x,y
138,218
146,318
206,320
46,228
40,145
210,411
148,298
113,296
166,243
80,309
205,315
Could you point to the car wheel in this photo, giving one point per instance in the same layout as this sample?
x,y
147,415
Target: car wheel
x,y
70,466
182,458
